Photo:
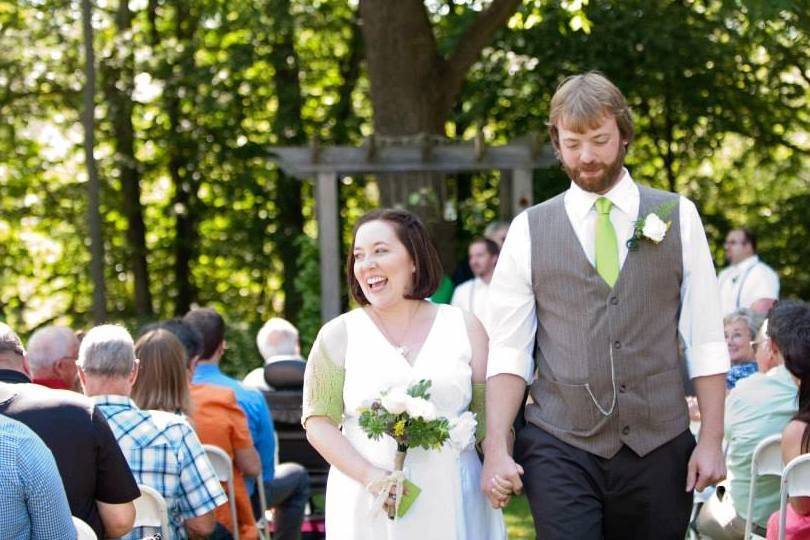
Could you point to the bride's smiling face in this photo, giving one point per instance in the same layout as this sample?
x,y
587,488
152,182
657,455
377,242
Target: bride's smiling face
x,y
382,265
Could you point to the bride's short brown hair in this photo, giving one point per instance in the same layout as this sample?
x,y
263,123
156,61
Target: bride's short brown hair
x,y
414,236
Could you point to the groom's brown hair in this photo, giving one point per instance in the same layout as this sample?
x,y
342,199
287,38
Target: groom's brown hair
x,y
582,101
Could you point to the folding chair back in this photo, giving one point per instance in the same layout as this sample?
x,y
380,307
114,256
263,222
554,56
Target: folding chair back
x,y
223,468
795,483
83,530
767,460
151,510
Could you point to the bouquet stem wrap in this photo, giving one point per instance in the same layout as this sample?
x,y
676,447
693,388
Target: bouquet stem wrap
x,y
404,491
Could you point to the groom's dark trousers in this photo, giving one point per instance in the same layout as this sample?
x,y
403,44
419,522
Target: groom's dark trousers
x,y
576,495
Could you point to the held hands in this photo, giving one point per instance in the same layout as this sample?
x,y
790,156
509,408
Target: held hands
x,y
500,477
707,466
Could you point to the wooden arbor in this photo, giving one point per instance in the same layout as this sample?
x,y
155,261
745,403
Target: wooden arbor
x,y
403,161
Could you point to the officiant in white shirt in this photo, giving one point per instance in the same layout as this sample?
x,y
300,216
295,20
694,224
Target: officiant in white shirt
x,y
747,280
473,294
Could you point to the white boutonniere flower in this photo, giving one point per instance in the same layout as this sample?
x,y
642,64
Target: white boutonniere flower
x,y
653,227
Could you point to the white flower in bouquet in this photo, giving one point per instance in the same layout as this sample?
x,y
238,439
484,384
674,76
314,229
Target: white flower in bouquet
x,y
396,400
420,408
462,430
654,228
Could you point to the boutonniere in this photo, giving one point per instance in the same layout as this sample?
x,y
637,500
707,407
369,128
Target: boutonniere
x,y
653,226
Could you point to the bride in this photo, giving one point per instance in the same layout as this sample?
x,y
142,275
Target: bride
x,y
397,338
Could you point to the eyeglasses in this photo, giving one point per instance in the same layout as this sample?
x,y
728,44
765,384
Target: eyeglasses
x,y
756,344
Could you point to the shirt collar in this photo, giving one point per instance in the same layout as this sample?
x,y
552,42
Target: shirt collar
x,y
13,376
56,384
746,263
206,370
115,399
624,196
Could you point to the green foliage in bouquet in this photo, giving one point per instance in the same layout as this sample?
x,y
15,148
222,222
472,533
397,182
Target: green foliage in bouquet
x,y
416,425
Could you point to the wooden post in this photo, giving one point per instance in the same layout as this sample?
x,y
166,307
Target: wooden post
x,y
522,190
326,200
505,196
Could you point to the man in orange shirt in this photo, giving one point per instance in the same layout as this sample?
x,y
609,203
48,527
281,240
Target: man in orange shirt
x,y
219,420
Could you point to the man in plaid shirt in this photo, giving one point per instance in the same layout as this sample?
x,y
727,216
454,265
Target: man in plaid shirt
x,y
33,503
162,449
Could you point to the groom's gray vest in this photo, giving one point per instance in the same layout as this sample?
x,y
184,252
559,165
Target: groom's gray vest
x,y
585,329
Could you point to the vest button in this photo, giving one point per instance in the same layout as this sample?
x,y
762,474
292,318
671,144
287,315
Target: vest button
x,y
626,430
614,301
617,345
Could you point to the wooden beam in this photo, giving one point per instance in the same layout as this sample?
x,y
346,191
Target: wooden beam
x,y
522,190
326,200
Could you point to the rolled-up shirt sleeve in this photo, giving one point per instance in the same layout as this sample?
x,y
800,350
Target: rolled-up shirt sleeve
x,y
512,307
701,321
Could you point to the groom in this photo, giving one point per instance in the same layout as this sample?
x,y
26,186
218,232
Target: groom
x,y
607,450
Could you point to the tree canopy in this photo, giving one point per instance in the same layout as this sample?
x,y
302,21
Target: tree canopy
x,y
191,95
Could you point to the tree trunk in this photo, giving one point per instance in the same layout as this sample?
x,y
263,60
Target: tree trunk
x,y
93,184
182,153
413,89
289,128
119,84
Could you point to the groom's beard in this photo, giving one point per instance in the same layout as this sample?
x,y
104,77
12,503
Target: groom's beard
x,y
601,183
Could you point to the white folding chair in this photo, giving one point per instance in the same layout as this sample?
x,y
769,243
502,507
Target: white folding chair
x,y
795,483
151,510
223,468
766,460
83,530
263,524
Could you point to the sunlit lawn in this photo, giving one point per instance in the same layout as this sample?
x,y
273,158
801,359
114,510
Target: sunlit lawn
x,y
519,524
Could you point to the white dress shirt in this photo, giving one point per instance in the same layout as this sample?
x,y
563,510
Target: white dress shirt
x,y
512,302
473,296
744,283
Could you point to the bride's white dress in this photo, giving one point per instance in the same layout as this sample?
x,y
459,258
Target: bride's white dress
x,y
451,505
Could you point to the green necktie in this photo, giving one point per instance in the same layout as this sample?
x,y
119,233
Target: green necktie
x,y
607,249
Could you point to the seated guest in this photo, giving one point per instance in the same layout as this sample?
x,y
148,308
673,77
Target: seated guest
x,y
162,449
286,486
97,480
163,384
277,342
32,498
740,328
496,231
758,407
789,333
52,353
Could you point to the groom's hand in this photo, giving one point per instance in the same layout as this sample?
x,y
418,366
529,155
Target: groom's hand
x,y
707,466
500,476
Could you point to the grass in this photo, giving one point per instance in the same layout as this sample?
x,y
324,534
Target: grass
x,y
519,523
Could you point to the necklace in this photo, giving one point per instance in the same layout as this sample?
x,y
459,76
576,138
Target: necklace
x,y
401,348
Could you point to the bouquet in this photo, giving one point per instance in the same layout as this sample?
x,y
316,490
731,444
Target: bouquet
x,y
406,414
